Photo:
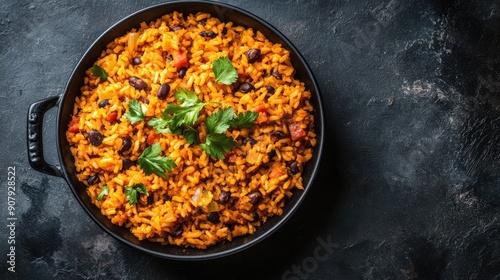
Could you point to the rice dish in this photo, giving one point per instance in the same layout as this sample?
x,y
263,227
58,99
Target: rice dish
x,y
178,148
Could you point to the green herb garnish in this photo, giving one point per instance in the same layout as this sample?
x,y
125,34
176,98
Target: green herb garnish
x,y
185,114
179,119
219,121
191,136
131,192
104,191
161,124
217,144
244,120
96,70
150,161
224,71
135,113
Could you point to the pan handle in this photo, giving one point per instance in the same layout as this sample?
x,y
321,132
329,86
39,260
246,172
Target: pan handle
x,y
35,144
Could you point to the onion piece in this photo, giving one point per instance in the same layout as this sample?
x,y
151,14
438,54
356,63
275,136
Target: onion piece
x,y
132,42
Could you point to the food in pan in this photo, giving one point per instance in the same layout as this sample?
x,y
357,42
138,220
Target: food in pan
x,y
191,131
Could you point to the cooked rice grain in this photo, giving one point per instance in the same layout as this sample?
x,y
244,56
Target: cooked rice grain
x,y
169,214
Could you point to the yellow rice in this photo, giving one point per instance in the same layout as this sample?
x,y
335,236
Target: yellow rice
x,y
170,209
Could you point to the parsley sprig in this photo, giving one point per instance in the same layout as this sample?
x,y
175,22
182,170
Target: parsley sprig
x,y
150,161
217,142
219,121
161,124
244,120
187,112
135,113
224,71
191,136
131,192
179,119
96,70
216,145
104,191
174,117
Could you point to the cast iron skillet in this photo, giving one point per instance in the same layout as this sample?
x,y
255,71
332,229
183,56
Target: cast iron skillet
x,y
65,104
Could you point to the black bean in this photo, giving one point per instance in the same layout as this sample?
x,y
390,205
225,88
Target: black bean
x,y
182,72
224,197
178,232
170,57
213,217
249,140
252,55
256,217
92,180
176,27
95,137
294,167
279,134
286,117
276,74
136,61
271,154
270,89
182,219
245,87
137,83
145,100
126,145
103,103
127,163
203,22
255,197
230,226
209,34
163,91
151,199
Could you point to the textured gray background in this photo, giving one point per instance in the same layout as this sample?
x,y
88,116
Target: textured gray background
x,y
409,187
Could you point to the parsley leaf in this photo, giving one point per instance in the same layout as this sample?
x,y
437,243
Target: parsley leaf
x,y
217,144
185,114
161,124
150,161
224,71
96,70
186,97
244,120
191,136
104,191
218,122
131,192
135,113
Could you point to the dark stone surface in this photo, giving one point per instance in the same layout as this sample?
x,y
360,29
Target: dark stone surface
x,y
410,183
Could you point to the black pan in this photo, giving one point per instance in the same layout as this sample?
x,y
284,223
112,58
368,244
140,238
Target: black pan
x,y
65,104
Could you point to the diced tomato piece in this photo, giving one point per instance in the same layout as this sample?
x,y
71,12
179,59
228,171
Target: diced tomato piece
x,y
231,156
73,125
296,132
180,60
112,117
153,137
277,172
261,108
261,118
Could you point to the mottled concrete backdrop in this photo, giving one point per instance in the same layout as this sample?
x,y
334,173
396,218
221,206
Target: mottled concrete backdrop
x,y
409,187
